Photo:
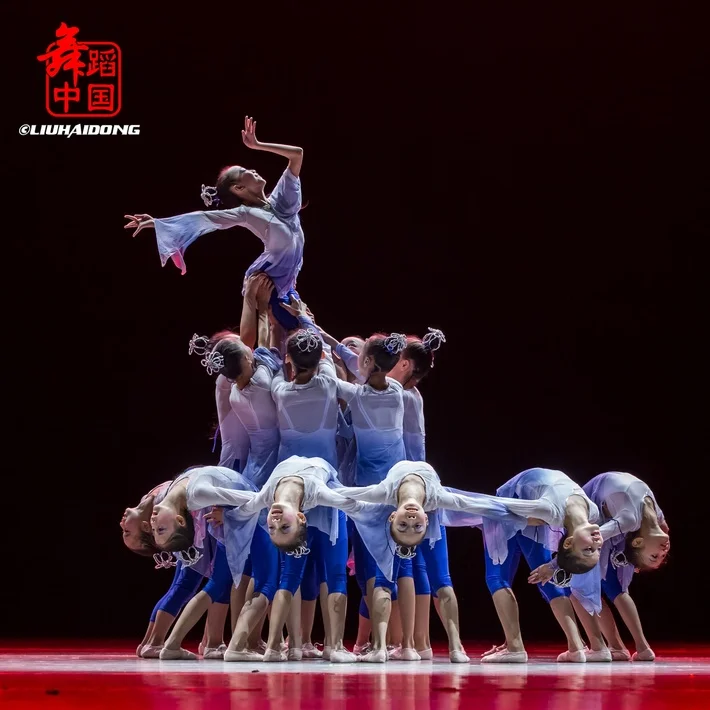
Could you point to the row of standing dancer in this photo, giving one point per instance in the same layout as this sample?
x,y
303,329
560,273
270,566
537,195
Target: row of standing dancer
x,y
323,469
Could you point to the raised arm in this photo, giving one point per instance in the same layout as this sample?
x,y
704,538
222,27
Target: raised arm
x,y
376,493
292,152
248,326
332,499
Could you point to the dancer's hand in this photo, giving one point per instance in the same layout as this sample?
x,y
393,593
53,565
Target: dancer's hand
x,y
542,574
249,133
264,288
215,516
296,307
138,221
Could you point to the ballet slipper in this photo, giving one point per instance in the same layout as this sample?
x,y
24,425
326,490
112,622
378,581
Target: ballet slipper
x,y
601,656
295,654
572,657
311,650
343,656
271,656
177,654
458,656
426,655
327,650
404,654
244,656
646,655
620,654
362,650
149,651
506,656
214,654
379,656
494,649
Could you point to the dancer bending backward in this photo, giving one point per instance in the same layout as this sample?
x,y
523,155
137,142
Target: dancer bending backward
x,y
273,218
556,515
301,522
636,539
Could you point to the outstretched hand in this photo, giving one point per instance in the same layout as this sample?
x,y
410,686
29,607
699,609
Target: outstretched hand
x,y
215,516
296,308
138,222
542,574
249,133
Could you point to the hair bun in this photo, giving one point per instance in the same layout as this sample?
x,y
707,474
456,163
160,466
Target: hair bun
x,y
433,339
395,343
209,196
306,341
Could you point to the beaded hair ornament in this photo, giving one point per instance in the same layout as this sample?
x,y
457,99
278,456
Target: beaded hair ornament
x,y
619,559
164,560
209,196
211,361
190,556
395,343
306,341
560,577
300,551
433,339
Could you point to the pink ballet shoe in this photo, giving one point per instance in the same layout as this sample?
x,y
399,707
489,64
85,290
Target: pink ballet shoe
x,y
461,657
362,650
343,656
602,656
214,654
426,654
244,656
311,650
620,654
572,657
150,651
506,656
404,654
647,655
177,654
271,656
494,649
294,654
379,656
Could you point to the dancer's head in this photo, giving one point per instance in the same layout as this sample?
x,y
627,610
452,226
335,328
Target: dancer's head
x,y
417,358
303,351
135,528
354,343
579,552
173,529
647,553
380,353
237,186
408,524
225,354
287,526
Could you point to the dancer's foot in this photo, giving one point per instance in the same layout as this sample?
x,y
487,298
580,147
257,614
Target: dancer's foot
x,y
620,654
294,654
362,650
149,651
458,656
177,654
495,649
404,654
343,656
572,657
601,656
426,655
244,656
271,656
645,655
311,650
327,650
214,654
505,656
379,656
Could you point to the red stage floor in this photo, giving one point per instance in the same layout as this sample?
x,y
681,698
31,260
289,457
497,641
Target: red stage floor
x,y
66,677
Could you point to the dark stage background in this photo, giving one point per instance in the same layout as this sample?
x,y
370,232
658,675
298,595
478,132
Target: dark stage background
x,y
530,180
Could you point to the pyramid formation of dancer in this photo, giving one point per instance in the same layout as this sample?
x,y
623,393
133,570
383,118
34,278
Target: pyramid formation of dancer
x,y
322,473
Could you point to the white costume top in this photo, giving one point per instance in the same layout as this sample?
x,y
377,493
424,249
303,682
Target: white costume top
x,y
256,410
372,521
234,437
620,498
320,482
414,436
378,421
350,359
308,413
277,224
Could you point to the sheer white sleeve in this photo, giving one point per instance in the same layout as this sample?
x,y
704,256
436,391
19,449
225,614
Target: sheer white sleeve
x,y
350,359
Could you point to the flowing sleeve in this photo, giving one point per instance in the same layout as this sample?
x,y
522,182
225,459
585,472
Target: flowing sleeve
x,y
331,498
203,495
369,494
350,359
286,196
371,522
620,524
587,589
175,234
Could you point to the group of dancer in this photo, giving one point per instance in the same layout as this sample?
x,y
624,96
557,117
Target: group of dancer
x,y
323,469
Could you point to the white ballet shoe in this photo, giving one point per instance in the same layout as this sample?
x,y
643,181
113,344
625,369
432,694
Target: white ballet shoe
x,y
294,654
506,656
362,650
177,654
647,655
214,654
274,656
149,651
327,650
459,656
343,656
572,657
620,654
494,649
379,656
602,656
404,654
311,650
245,656
426,655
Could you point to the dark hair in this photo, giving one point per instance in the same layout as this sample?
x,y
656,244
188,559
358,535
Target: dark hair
x,y
297,345
225,180
148,547
184,537
298,541
633,554
383,351
569,562
233,353
420,356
